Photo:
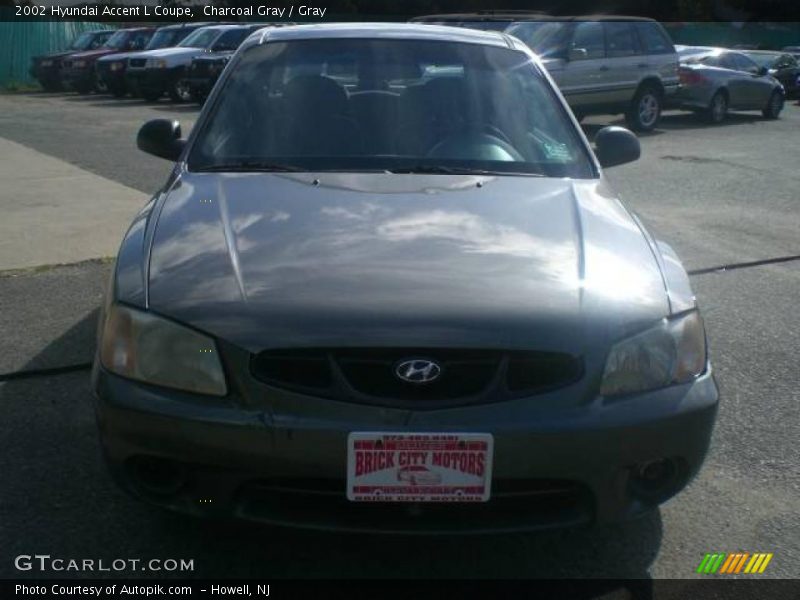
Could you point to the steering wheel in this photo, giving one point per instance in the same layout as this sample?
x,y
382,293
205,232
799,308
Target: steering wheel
x,y
471,145
495,131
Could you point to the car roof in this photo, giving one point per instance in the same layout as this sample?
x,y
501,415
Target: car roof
x,y
399,31
186,25
765,52
522,15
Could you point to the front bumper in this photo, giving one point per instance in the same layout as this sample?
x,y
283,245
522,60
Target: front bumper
x,y
113,80
72,78
287,467
149,81
47,75
201,86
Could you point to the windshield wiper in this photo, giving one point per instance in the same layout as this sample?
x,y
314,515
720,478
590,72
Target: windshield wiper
x,y
252,166
442,170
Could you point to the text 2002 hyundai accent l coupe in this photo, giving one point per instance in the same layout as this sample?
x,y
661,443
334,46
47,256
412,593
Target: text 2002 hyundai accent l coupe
x,y
388,249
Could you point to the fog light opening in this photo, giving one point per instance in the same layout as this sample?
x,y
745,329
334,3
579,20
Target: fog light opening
x,y
157,475
657,480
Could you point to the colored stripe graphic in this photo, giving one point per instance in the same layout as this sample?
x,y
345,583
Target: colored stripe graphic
x,y
722,563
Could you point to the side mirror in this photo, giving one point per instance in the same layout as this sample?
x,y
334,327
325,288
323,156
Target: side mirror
x,y
616,146
762,71
162,138
578,54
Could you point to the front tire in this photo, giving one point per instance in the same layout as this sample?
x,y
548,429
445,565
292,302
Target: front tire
x,y
717,108
774,106
645,109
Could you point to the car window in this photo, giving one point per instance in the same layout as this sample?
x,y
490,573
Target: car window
x,y
230,40
589,36
724,60
139,40
543,37
366,104
99,41
653,38
162,38
118,41
742,63
82,41
620,39
200,38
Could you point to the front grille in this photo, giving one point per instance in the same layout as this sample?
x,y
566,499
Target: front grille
x,y
514,504
137,63
369,374
200,68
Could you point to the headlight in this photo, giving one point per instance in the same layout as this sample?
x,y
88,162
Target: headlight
x,y
149,348
674,351
157,63
115,66
78,64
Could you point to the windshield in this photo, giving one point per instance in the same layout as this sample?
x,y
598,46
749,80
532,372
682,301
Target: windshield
x,y
389,105
163,39
82,42
117,41
90,40
202,38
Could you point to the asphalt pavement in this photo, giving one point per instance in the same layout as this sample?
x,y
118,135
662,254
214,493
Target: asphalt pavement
x,y
720,195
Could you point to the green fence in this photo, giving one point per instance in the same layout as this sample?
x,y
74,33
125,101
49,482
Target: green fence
x,y
767,36
19,41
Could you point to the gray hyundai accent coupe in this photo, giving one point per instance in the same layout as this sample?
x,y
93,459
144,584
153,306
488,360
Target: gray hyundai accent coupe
x,y
387,288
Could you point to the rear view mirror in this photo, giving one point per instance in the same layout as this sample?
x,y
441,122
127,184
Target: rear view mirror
x,y
162,138
616,146
578,54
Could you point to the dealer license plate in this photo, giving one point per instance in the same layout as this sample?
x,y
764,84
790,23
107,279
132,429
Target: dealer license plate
x,y
419,467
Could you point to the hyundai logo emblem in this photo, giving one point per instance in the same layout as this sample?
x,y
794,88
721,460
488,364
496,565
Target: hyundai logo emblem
x,y
418,370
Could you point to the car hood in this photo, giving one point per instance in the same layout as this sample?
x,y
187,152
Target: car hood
x,y
90,54
117,56
54,55
284,260
215,56
173,52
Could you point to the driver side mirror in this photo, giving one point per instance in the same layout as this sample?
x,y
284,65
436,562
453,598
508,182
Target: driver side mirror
x,y
162,138
761,71
578,54
616,146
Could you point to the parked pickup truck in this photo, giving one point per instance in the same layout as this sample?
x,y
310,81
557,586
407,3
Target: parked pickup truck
x,y
156,72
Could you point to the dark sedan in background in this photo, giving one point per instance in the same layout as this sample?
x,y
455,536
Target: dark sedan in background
x,y
78,70
783,66
206,68
46,68
416,266
716,80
